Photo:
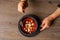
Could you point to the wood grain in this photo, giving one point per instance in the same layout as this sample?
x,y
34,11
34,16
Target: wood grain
x,y
9,17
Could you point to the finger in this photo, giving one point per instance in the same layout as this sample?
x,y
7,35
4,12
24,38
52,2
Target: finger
x,y
22,10
43,27
42,24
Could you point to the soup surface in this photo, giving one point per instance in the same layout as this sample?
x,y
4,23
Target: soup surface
x,y
28,25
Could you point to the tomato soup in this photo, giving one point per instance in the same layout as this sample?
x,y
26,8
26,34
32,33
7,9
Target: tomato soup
x,y
29,25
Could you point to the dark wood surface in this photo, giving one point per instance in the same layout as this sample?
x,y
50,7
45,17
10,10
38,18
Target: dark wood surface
x,y
9,17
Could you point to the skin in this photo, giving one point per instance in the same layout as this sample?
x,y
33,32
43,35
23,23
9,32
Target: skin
x,y
23,4
47,21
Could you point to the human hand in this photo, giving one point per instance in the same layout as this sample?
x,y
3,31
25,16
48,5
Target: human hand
x,y
46,23
22,6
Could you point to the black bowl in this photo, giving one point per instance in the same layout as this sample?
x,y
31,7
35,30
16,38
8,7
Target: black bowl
x,y
37,28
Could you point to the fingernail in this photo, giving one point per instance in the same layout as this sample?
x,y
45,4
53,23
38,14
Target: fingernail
x,y
40,30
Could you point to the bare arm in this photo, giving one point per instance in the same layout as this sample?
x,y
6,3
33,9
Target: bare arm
x,y
55,14
47,21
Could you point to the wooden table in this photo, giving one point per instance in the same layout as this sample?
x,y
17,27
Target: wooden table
x,y
9,17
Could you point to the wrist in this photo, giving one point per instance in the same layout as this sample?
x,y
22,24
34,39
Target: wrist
x,y
50,18
23,0
53,16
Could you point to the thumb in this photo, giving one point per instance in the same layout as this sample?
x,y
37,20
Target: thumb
x,y
43,26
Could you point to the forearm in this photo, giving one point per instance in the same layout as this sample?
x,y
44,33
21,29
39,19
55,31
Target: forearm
x,y
55,14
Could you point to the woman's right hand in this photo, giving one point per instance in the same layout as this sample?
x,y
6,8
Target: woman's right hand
x,y
22,5
46,22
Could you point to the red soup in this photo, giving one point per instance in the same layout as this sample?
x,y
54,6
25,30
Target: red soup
x,y
29,25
